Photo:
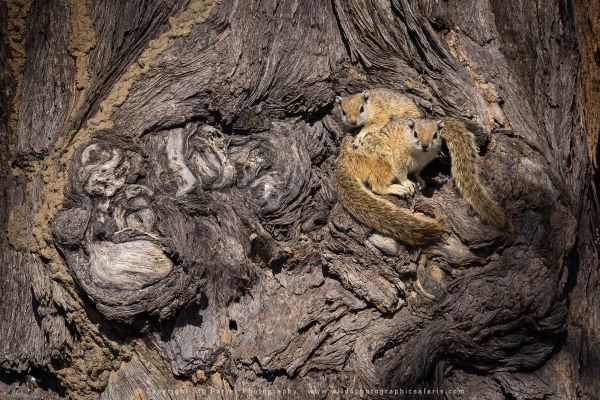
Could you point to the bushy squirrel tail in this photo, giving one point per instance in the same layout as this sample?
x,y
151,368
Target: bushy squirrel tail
x,y
383,215
465,170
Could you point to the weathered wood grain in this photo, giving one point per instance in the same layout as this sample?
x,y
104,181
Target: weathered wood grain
x,y
47,82
34,329
173,228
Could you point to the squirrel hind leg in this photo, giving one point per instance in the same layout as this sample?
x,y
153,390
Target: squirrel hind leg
x,y
403,189
407,188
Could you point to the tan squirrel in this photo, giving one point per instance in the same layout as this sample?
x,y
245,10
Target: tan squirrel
x,y
404,147
372,109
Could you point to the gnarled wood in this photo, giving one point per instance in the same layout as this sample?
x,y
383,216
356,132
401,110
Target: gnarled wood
x,y
172,223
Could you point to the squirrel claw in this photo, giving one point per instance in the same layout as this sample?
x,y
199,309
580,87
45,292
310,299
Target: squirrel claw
x,y
358,140
402,190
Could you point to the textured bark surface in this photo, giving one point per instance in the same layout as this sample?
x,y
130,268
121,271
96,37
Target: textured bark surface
x,y
170,227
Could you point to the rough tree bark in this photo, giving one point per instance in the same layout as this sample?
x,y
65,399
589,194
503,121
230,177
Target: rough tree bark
x,y
170,225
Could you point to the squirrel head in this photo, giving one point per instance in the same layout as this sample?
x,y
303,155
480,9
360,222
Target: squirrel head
x,y
355,108
425,134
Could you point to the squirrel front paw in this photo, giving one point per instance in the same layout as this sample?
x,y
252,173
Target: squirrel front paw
x,y
421,184
358,140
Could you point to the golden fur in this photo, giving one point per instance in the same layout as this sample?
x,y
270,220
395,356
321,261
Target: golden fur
x,y
465,170
383,158
404,147
378,106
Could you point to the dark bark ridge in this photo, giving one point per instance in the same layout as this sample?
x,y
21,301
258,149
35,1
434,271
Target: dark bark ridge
x,y
203,217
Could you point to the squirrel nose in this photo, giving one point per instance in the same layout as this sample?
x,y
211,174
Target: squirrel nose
x,y
424,147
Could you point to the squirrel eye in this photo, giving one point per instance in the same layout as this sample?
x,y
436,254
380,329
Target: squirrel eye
x,y
362,109
343,112
435,135
415,134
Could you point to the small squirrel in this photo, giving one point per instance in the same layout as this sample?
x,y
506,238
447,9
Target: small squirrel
x,y
372,109
404,147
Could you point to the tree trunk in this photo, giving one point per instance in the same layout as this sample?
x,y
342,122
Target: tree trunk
x,y
172,227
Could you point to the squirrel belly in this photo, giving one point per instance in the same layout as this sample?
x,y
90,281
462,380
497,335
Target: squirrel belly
x,y
465,170
378,213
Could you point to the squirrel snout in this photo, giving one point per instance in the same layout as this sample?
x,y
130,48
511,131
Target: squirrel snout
x,y
424,147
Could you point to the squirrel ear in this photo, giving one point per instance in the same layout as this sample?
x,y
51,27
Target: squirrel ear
x,y
440,124
411,123
338,99
365,95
